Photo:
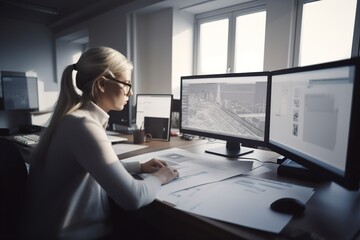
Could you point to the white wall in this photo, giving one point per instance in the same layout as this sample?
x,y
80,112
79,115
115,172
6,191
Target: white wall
x,y
64,55
154,42
164,47
182,51
279,43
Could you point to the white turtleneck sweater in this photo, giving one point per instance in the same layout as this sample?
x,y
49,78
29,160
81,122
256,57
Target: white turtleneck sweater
x,y
68,199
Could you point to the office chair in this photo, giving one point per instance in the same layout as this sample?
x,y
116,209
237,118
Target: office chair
x,y
13,175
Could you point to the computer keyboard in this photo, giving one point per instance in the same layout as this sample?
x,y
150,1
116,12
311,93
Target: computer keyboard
x,y
27,139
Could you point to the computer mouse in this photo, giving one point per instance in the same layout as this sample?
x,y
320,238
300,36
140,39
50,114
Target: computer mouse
x,y
288,206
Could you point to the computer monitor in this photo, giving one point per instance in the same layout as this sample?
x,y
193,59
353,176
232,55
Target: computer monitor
x,y
175,115
230,107
314,118
154,106
122,121
19,92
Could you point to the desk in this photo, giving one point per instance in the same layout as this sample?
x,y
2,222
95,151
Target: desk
x,y
331,213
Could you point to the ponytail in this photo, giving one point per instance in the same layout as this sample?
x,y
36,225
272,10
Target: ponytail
x,y
68,101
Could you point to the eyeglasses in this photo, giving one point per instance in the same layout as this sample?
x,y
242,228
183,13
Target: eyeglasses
x,y
125,83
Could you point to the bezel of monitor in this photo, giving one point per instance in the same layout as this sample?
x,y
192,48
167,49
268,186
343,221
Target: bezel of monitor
x,y
122,121
4,95
350,178
232,143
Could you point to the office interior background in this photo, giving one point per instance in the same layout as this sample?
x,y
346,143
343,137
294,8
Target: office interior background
x,y
167,39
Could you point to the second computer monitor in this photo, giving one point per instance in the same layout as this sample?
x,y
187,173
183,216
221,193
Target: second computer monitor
x,y
154,106
122,121
314,118
230,107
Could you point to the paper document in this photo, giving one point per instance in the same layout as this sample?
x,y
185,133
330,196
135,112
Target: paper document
x,y
218,188
195,169
242,200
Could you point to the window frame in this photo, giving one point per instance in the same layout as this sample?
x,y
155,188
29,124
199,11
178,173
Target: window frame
x,y
355,51
242,13
197,35
231,13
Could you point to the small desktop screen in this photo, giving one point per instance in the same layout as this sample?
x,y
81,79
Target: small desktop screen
x,y
314,113
19,93
155,109
230,107
122,121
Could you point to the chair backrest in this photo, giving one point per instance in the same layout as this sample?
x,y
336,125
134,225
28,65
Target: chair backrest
x,y
13,175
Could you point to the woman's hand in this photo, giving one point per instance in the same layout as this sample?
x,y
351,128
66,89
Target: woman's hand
x,y
152,165
166,174
160,169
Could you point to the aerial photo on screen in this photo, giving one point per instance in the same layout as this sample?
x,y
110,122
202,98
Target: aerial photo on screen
x,y
236,109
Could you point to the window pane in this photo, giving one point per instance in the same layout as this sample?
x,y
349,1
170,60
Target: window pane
x,y
326,31
250,42
213,45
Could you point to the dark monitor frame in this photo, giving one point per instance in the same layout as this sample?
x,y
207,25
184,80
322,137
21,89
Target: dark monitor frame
x,y
351,177
122,121
24,77
175,114
234,145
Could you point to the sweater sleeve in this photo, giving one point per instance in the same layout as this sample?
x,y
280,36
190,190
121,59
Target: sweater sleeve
x,y
132,167
95,153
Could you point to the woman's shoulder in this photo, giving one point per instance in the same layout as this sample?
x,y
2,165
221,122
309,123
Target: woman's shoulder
x,y
74,117
81,125
77,118
78,115
85,117
88,113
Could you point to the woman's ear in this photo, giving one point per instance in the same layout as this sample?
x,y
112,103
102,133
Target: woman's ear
x,y
100,84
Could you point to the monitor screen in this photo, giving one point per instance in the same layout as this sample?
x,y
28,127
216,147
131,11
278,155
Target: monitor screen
x,y
314,117
153,105
19,93
122,121
230,107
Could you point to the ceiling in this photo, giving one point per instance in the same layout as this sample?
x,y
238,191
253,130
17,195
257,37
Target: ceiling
x,y
63,13
55,11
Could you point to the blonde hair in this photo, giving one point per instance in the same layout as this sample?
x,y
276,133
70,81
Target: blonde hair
x,y
93,64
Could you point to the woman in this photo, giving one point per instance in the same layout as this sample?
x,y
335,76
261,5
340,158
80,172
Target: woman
x,y
74,168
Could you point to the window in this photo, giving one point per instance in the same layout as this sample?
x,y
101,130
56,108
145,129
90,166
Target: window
x,y
231,40
250,42
213,45
326,31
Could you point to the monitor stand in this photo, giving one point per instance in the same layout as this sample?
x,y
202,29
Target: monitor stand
x,y
289,168
232,150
